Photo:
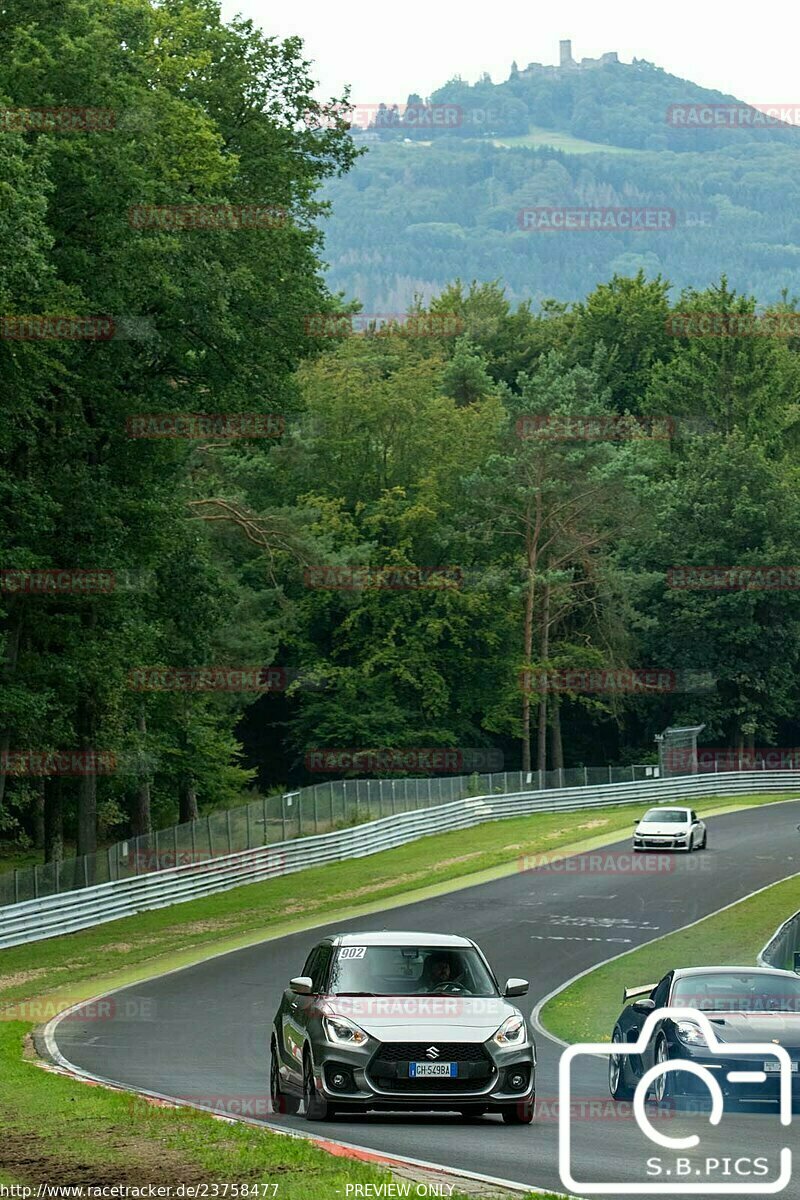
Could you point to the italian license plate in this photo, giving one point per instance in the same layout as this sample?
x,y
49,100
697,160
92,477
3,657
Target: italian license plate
x,y
428,1070
772,1067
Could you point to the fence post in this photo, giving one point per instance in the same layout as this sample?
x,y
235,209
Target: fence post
x,y
316,811
194,842
300,812
16,886
228,826
110,876
333,818
249,847
86,870
283,818
208,830
610,780
560,777
585,776
36,881
58,875
175,843
264,814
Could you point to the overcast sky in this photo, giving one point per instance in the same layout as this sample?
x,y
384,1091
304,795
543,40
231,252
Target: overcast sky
x,y
386,50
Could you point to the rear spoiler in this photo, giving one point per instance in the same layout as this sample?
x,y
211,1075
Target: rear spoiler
x,y
634,992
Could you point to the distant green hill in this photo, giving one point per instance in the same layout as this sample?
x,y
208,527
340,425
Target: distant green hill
x,y
424,206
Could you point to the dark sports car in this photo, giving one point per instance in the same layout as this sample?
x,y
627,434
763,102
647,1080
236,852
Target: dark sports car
x,y
743,1004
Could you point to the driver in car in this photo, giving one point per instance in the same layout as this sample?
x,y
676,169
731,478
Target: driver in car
x,y
437,973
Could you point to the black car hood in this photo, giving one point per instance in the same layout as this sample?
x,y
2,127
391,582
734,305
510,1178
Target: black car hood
x,y
782,1028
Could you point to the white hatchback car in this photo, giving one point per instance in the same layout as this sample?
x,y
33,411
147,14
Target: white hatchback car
x,y
668,828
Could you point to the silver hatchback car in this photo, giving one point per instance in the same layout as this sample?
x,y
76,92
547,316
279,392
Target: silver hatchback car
x,y
401,1021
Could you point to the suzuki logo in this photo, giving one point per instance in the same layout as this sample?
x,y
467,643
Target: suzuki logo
x,y
432,1052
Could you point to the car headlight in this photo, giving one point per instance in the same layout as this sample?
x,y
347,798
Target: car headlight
x,y
512,1032
690,1034
342,1032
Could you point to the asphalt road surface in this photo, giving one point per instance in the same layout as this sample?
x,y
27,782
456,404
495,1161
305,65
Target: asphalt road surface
x,y
202,1033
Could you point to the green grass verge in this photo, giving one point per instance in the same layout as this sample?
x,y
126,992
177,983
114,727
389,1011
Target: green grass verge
x,y
587,1010
60,1131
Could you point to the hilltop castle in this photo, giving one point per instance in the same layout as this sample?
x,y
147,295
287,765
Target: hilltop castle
x,y
566,62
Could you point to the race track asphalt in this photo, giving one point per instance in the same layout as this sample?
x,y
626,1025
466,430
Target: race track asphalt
x,y
202,1033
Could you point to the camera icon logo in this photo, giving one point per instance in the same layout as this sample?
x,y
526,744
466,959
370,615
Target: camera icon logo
x,y
764,1053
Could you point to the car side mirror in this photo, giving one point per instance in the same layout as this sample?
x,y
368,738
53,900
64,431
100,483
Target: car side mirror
x,y
644,1006
302,985
516,987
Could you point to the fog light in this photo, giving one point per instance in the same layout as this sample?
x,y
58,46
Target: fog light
x,y
517,1079
339,1080
339,1077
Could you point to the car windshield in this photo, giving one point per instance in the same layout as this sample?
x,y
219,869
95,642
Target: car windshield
x,y
738,992
410,971
670,816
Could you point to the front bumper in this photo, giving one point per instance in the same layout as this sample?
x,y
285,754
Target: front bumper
x,y
684,1084
376,1076
658,842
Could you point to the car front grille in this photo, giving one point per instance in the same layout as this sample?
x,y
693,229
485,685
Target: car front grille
x,y
465,1052
388,1070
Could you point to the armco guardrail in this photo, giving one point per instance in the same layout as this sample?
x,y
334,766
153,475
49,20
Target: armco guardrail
x,y
68,912
782,946
320,808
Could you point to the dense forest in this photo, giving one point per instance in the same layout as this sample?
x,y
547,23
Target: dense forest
x,y
392,538
424,205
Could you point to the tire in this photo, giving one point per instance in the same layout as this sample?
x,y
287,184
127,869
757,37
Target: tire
x,y
690,847
520,1113
282,1102
316,1107
617,1085
660,1090
705,842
